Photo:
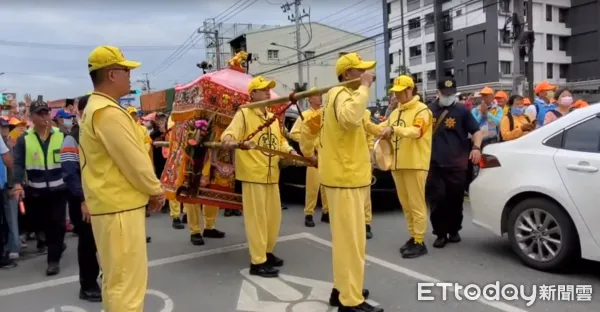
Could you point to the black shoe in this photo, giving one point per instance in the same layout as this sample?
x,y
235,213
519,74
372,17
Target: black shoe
x,y
147,214
177,224
414,251
454,238
369,233
284,207
41,246
7,263
363,307
274,261
53,269
228,213
325,217
196,239
406,245
308,221
263,270
91,295
334,298
440,242
213,233
165,209
148,239
237,213
184,219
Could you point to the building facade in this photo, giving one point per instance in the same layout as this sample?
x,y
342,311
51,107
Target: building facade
x,y
467,39
273,48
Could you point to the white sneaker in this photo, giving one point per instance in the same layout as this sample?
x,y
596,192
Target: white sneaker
x,y
13,256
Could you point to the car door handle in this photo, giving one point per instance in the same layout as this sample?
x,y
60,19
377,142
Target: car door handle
x,y
580,168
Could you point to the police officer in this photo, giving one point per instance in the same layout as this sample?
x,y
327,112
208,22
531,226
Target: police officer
x,y
37,167
450,155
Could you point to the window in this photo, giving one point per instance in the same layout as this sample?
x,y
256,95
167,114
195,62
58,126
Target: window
x,y
504,6
429,19
549,70
309,54
548,13
417,78
390,33
414,23
446,21
448,50
458,12
272,54
505,68
563,15
584,137
431,75
504,37
549,42
389,8
563,71
414,51
391,58
562,43
430,47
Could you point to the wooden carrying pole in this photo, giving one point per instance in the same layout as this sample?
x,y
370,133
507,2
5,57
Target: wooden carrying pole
x,y
300,95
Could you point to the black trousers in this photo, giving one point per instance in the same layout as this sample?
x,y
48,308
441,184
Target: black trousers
x,y
48,210
445,194
89,269
3,227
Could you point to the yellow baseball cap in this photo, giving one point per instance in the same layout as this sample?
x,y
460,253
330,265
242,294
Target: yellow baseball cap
x,y
260,83
132,110
401,83
104,56
352,60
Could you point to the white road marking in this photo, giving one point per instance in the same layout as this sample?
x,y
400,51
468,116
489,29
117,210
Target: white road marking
x,y
388,265
274,286
248,301
67,309
419,276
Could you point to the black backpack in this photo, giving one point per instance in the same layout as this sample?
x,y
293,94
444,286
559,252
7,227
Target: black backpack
x,y
511,124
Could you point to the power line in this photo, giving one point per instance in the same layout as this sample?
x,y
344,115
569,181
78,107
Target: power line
x,y
364,40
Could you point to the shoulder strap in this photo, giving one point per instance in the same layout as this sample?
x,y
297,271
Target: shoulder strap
x,y
556,113
440,120
527,117
511,122
335,103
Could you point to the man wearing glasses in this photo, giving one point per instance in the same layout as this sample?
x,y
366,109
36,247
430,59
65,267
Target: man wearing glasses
x,y
118,182
37,168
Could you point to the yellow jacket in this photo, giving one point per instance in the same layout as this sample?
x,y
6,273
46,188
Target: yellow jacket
x,y
370,133
297,127
116,173
516,132
412,135
344,159
252,165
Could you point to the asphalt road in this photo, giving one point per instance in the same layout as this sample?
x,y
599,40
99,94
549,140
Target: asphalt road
x,y
213,277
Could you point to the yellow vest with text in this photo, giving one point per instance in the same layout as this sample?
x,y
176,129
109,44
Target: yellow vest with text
x,y
253,165
106,189
411,153
344,159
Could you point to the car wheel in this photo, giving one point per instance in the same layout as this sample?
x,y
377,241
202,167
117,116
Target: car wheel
x,y
542,234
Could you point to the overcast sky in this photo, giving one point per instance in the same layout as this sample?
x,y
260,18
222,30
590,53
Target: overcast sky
x,y
60,37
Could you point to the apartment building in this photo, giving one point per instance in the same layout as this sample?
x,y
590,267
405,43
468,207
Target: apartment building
x,y
467,39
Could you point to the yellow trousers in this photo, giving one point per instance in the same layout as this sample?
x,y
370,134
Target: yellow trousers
x,y
368,208
348,234
193,214
313,185
410,186
121,242
262,218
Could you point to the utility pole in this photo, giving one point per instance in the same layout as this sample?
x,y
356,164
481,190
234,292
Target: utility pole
x,y
145,83
519,35
296,17
403,40
216,41
531,39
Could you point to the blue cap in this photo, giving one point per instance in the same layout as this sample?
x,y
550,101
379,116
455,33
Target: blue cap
x,y
63,114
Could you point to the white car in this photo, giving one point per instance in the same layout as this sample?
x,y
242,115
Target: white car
x,y
543,189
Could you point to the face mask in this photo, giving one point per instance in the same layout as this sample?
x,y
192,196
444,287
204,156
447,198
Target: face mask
x,y
565,101
446,101
68,122
549,94
517,111
376,115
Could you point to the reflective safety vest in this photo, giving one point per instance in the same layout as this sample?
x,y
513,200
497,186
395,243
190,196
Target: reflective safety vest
x,y
43,171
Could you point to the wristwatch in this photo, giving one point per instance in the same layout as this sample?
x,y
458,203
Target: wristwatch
x,y
475,147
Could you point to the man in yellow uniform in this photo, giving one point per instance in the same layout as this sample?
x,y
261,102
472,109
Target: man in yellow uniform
x,y
410,130
312,174
259,173
368,124
118,181
193,211
345,170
